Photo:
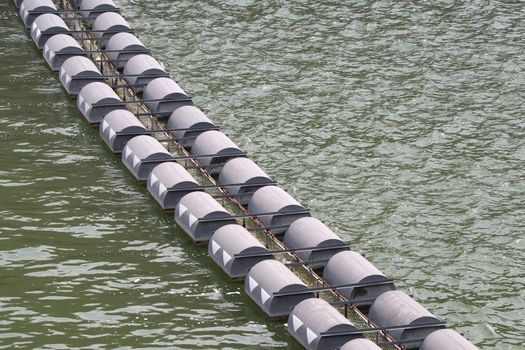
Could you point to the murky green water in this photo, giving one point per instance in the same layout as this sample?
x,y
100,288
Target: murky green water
x,y
401,124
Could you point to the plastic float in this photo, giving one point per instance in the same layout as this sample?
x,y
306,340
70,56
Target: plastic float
x,y
318,325
267,279
59,48
236,250
77,72
247,177
118,127
96,100
283,209
188,122
162,95
351,268
311,232
169,182
200,215
45,26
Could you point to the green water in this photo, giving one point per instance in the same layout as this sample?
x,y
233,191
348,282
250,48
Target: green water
x,y
401,124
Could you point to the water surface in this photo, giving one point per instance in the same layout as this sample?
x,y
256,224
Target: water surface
x,y
399,123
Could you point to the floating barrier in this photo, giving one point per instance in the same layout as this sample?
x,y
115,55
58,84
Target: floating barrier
x,y
316,324
31,9
77,72
95,100
142,153
236,251
275,199
446,339
200,215
118,127
311,232
59,48
162,95
191,122
45,26
349,267
408,321
361,344
247,175
109,95
122,46
269,277
169,182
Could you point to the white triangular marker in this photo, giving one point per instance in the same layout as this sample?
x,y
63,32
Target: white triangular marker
x,y
112,134
264,296
253,283
296,323
162,189
310,335
104,125
68,79
225,257
214,246
136,160
127,151
191,219
80,101
153,179
182,210
38,34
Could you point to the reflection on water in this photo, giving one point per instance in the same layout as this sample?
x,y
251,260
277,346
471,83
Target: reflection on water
x,y
399,124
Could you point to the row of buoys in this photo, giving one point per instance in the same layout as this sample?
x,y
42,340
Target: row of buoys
x,y
269,282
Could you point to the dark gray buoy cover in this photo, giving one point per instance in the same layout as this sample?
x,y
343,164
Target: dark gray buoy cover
x,y
17,3
31,9
395,308
142,153
76,72
243,171
122,46
141,69
350,268
270,199
199,215
45,26
446,339
188,122
109,23
214,143
120,121
77,3
361,344
91,9
313,318
311,232
95,100
169,93
169,182
59,48
229,243
269,277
